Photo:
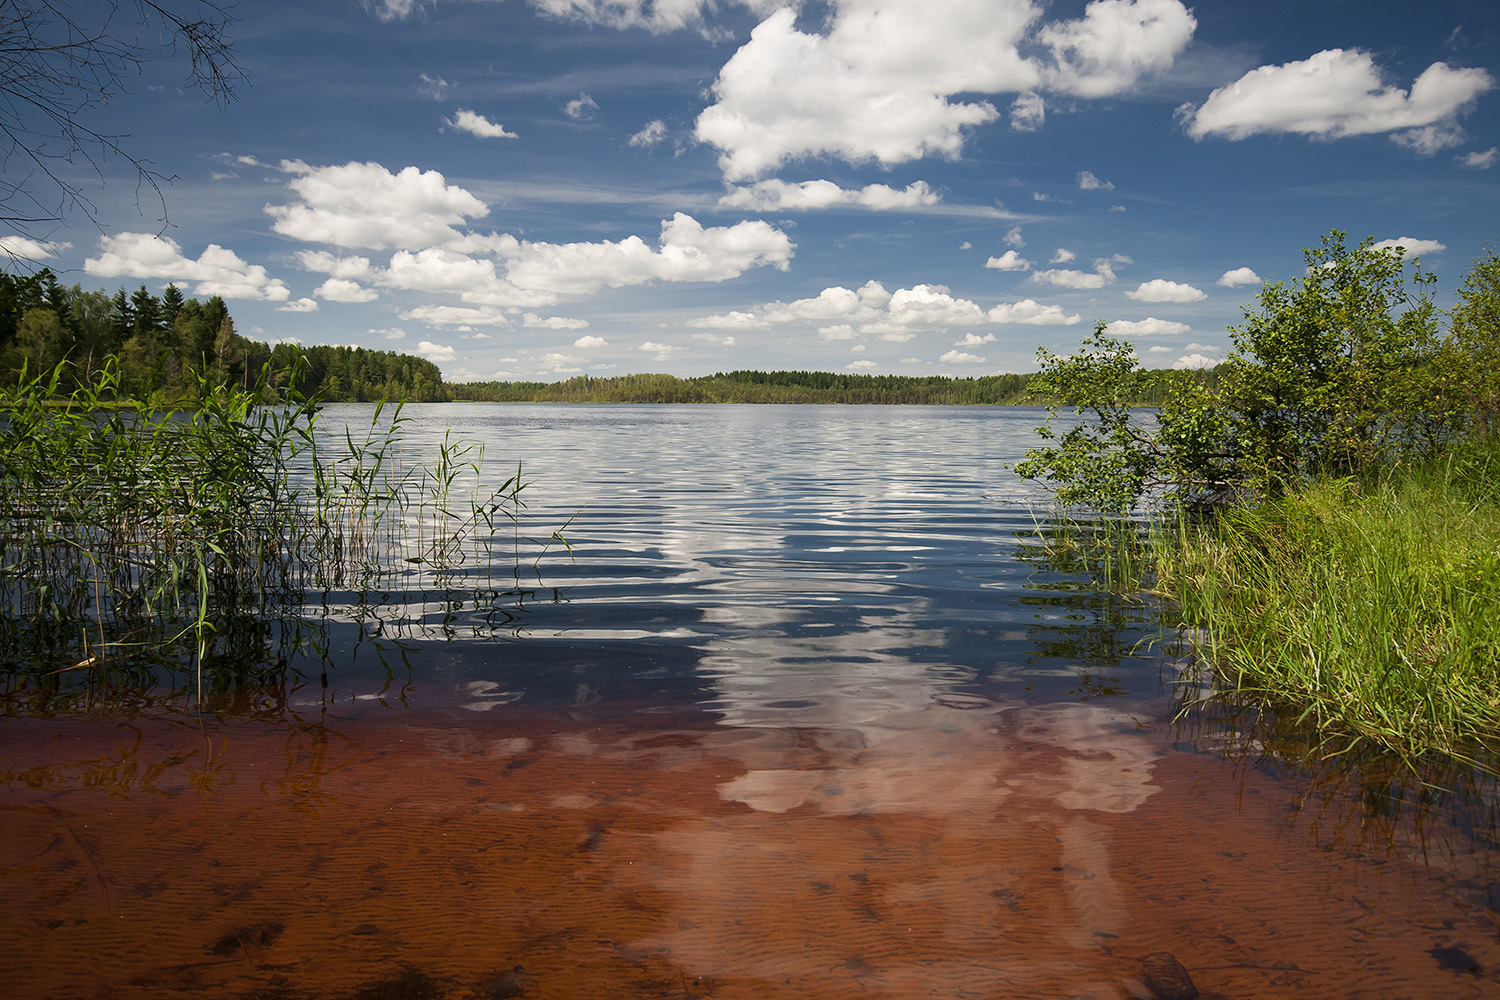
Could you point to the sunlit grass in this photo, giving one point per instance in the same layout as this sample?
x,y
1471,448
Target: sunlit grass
x,y
1360,612
1369,611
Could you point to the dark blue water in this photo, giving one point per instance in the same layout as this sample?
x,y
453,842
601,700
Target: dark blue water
x,y
808,564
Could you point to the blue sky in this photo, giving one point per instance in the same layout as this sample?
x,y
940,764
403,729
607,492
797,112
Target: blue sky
x,y
534,189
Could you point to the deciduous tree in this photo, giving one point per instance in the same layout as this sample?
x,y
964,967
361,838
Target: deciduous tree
x,y
1333,373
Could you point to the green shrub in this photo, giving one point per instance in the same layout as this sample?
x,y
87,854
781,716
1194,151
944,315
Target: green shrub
x,y
1335,374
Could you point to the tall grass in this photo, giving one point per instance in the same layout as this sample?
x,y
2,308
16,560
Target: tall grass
x,y
1357,611
124,529
1370,611
1110,552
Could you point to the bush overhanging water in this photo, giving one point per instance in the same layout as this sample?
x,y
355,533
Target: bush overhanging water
x,y
1348,568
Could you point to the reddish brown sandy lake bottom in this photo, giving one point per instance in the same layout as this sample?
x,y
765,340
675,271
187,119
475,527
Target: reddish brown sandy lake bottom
x,y
1033,852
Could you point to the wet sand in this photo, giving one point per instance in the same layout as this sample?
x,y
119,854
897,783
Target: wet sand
x,y
981,851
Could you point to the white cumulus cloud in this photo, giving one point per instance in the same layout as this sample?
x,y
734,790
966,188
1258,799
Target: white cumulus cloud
x,y
364,206
29,249
477,124
687,252
733,320
924,307
1238,276
589,342
1480,161
1337,93
779,196
335,266
1088,182
1029,312
877,86
441,271
896,80
1103,274
435,352
848,314
650,134
422,217
1148,327
535,322
216,271
1008,261
1116,43
1161,290
456,316
960,358
345,290
1412,248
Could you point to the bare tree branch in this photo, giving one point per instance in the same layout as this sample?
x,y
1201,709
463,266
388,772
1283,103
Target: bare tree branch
x,y
57,73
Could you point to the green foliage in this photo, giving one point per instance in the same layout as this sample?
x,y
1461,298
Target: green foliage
x,y
1106,463
164,346
1336,373
359,375
758,387
1371,611
1475,354
126,527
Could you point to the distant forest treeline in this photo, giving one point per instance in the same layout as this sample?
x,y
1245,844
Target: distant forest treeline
x,y
165,344
784,387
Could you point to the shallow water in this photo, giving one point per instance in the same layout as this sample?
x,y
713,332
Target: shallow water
x,y
804,714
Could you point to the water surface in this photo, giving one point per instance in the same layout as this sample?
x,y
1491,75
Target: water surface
x,y
805,713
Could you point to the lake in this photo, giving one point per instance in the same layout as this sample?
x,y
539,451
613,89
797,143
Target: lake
x,y
802,709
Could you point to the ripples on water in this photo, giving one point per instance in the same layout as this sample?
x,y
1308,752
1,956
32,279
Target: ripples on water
x,y
804,714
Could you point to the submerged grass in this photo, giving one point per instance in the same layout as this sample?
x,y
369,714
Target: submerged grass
x,y
1365,611
125,529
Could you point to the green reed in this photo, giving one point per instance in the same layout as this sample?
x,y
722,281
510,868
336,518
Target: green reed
x,y
125,529
1111,553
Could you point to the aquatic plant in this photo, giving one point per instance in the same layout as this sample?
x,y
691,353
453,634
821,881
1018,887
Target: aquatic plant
x,y
126,528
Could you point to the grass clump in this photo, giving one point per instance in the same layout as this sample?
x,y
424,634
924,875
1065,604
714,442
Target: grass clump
x,y
1371,609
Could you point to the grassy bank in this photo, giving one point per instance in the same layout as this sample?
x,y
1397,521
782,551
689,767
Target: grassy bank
x,y
1370,610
